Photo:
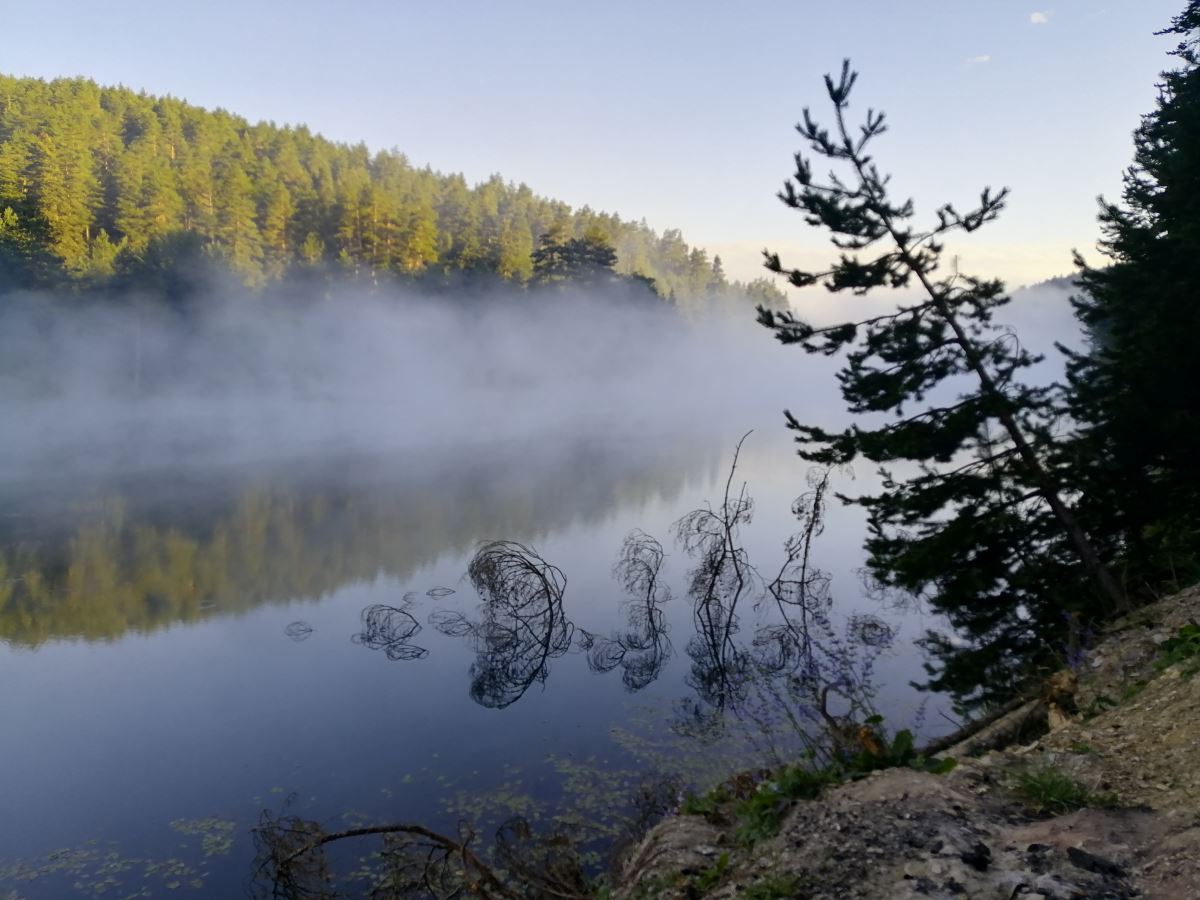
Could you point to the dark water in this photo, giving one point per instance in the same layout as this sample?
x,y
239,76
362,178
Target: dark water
x,y
182,650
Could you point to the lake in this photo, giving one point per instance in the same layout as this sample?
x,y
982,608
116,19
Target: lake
x,y
187,641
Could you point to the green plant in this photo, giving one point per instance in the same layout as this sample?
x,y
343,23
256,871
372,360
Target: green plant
x,y
1133,389
713,875
774,887
705,804
1047,791
877,752
1183,649
761,814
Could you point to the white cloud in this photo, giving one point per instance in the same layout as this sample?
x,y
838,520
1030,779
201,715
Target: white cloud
x,y
1039,18
980,60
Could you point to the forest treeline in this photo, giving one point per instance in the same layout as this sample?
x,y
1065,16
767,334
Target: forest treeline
x,y
105,186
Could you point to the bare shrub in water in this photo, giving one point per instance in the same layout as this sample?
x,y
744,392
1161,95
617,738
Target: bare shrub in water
x,y
522,626
643,648
390,629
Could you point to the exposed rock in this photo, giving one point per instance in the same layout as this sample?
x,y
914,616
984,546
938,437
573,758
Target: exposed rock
x,y
897,834
908,834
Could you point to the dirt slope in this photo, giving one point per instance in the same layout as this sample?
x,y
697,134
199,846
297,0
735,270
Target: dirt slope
x,y
1133,739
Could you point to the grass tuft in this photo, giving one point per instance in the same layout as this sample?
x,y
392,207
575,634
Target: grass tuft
x,y
1047,791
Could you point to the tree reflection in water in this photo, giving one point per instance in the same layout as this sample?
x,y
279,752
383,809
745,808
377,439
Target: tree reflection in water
x,y
803,656
643,648
797,659
716,585
521,626
800,589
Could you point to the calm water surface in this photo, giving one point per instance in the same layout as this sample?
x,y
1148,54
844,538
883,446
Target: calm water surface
x,y
182,650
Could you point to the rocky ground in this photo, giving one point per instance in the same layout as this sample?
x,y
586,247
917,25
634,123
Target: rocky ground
x,y
1125,730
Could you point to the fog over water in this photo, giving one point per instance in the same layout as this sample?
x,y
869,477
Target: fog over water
x,y
243,381
200,510
240,379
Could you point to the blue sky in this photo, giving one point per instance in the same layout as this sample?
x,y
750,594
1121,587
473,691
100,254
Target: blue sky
x,y
677,112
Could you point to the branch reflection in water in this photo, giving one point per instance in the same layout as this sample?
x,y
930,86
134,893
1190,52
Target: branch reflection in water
x,y
716,585
522,626
781,681
643,648
781,684
299,631
390,629
778,687
803,657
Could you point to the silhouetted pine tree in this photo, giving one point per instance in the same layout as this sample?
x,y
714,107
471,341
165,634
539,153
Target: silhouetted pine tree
x,y
976,521
1137,389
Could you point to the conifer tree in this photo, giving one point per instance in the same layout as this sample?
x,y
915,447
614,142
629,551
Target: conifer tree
x,y
275,211
1137,390
20,262
66,187
515,251
587,261
418,246
975,520
550,261
236,228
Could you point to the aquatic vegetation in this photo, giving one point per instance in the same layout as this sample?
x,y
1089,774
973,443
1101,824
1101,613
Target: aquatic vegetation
x,y
522,626
299,631
390,629
644,648
93,868
216,835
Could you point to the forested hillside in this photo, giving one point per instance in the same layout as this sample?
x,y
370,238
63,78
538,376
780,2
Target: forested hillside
x,y
100,183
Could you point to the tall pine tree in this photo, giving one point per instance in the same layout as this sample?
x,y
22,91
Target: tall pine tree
x,y
972,516
1137,389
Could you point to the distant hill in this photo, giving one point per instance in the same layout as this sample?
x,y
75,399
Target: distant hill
x,y
101,183
1058,282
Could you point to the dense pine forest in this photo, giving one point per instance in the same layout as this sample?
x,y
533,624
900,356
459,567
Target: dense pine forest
x,y
105,186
